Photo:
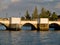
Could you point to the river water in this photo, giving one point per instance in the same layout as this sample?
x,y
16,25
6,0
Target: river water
x,y
29,37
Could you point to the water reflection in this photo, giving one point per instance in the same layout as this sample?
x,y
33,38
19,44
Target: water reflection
x,y
2,27
28,26
54,26
29,38
10,38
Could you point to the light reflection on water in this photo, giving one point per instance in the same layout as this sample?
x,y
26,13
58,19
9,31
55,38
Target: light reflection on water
x,y
2,27
26,28
22,28
29,38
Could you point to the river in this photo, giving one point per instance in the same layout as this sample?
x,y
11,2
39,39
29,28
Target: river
x,y
29,37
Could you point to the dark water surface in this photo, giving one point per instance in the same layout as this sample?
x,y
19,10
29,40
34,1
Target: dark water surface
x,y
29,38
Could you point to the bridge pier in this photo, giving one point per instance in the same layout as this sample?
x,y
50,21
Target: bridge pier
x,y
38,27
44,24
14,27
44,27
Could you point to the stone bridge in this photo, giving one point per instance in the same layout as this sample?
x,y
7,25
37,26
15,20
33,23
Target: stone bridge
x,y
34,23
17,22
5,23
56,22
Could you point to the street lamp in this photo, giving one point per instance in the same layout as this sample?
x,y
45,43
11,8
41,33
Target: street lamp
x,y
6,15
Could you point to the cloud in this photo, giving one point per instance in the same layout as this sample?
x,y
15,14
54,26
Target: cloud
x,y
57,5
48,0
3,7
4,4
13,7
15,1
42,0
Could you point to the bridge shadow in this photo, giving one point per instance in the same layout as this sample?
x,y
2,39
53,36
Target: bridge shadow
x,y
28,26
13,29
54,26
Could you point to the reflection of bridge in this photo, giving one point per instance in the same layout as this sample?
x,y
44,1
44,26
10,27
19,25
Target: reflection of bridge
x,y
8,24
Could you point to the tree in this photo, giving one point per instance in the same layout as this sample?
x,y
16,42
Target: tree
x,y
48,13
27,16
54,16
22,18
43,13
35,13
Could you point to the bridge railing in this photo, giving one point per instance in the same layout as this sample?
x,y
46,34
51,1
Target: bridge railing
x,y
57,22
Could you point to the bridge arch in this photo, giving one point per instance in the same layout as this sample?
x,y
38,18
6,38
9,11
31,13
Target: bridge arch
x,y
3,25
29,24
55,26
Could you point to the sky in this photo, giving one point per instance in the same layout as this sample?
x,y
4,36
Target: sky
x,y
17,8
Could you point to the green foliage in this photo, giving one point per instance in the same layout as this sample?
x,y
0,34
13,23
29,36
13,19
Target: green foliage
x,y
27,16
22,18
35,13
54,16
48,13
44,13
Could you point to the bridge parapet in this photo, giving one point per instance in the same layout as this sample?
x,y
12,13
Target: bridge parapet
x,y
57,22
31,22
5,22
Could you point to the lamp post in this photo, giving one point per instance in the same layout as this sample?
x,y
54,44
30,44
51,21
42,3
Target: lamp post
x,y
19,14
6,15
38,24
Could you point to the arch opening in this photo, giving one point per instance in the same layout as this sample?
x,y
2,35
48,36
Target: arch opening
x,y
54,26
28,26
3,27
